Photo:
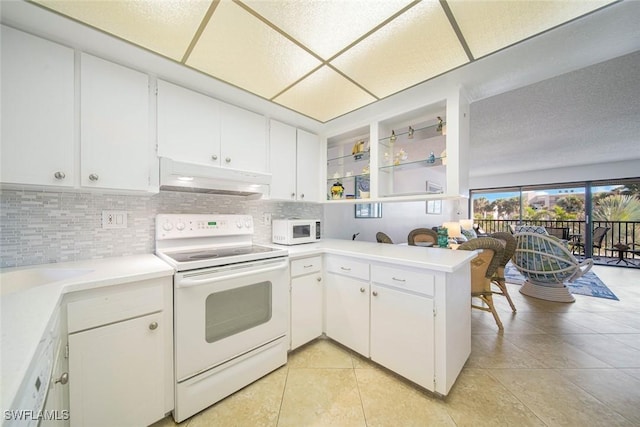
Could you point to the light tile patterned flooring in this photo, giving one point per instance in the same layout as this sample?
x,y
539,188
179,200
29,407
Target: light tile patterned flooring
x,y
555,364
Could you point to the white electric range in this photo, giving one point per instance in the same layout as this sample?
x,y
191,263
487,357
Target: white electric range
x,y
231,306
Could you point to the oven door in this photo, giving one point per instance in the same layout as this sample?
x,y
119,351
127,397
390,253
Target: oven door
x,y
223,312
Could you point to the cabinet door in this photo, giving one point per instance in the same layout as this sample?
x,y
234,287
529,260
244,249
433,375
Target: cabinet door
x,y
243,139
37,140
282,154
308,167
57,396
114,126
188,125
347,315
402,334
116,374
306,309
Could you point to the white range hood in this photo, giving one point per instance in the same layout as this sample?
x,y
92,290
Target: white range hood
x,y
198,178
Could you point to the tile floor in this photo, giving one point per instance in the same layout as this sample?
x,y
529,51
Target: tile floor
x,y
555,365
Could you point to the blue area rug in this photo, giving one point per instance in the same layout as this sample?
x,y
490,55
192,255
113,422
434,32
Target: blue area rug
x,y
589,284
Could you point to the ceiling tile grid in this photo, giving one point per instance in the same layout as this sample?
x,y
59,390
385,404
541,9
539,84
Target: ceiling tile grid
x,y
412,48
240,49
324,58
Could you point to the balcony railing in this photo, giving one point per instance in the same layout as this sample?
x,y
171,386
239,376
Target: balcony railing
x,y
624,232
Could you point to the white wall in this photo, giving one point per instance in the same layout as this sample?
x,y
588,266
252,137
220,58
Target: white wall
x,y
398,219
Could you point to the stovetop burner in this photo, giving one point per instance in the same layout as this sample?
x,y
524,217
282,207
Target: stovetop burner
x,y
197,241
213,253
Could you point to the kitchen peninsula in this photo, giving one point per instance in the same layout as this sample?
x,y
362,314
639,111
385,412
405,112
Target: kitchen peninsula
x,y
406,308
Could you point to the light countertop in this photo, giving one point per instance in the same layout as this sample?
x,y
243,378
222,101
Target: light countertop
x,y
25,312
438,259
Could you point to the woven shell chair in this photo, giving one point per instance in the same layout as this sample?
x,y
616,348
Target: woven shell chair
x,y
498,278
547,263
420,235
483,267
383,238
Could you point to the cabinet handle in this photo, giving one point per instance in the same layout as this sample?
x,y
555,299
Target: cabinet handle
x,y
345,268
362,290
293,195
398,280
93,177
153,326
228,160
59,175
375,293
319,279
308,266
64,378
214,157
302,196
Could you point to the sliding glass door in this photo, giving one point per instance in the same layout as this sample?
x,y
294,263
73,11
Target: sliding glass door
x,y
597,219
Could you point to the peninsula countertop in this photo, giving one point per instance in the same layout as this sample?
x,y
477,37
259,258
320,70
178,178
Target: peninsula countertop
x,y
445,260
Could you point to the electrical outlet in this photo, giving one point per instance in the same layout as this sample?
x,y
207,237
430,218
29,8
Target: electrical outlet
x,y
114,219
266,218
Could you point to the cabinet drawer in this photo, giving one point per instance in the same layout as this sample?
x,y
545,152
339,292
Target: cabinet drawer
x,y
411,280
113,307
300,267
348,267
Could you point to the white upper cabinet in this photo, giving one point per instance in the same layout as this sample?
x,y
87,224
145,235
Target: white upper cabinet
x,y
196,128
295,166
308,166
188,125
243,139
282,151
37,140
114,126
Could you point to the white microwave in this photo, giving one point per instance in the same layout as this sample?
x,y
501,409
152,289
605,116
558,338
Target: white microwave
x,y
295,231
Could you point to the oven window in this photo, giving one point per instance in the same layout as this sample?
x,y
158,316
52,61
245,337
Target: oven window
x,y
301,231
236,310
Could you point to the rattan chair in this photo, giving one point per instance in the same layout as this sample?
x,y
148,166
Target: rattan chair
x,y
498,279
422,235
483,267
546,264
383,238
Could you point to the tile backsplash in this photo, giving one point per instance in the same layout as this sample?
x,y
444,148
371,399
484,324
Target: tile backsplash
x,y
41,227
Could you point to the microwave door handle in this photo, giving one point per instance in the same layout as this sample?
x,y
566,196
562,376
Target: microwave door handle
x,y
198,282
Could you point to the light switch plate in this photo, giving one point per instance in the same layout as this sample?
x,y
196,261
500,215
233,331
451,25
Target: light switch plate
x,y
114,219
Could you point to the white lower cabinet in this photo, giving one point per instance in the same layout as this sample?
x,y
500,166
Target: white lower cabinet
x,y
402,333
120,355
306,300
412,321
347,308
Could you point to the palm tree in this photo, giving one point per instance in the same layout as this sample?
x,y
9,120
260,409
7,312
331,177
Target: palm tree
x,y
617,207
571,204
480,205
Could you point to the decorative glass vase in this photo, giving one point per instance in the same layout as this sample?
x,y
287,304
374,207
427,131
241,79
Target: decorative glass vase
x,y
443,237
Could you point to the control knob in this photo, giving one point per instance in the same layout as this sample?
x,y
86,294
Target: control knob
x,y
167,226
180,226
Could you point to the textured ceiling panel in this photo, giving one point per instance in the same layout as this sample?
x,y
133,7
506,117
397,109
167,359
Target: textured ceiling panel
x,y
242,50
414,47
324,95
166,27
270,47
488,26
327,27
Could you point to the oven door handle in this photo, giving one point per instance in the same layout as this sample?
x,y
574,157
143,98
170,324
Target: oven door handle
x,y
198,282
